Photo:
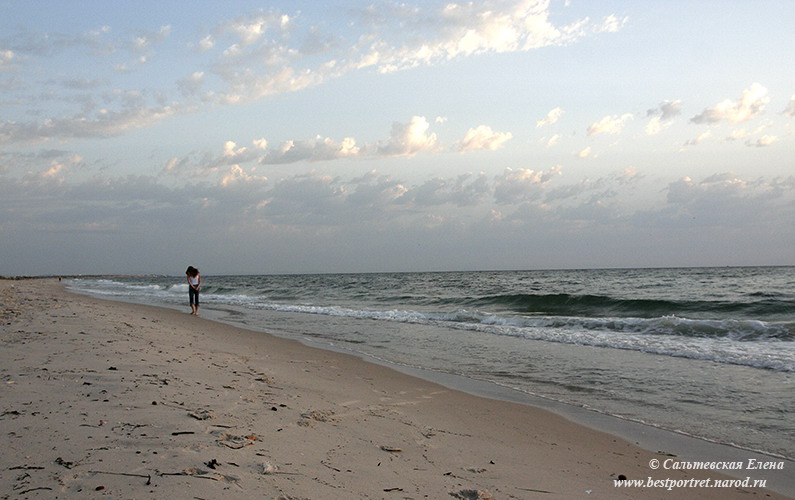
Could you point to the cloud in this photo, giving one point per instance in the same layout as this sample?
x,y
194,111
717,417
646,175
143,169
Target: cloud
x,y
482,138
13,162
611,24
465,29
751,104
271,52
56,171
790,109
250,29
588,191
724,199
206,43
666,110
207,165
585,153
374,190
245,85
698,139
655,126
552,141
146,40
765,140
314,212
610,124
238,175
263,58
254,65
6,56
464,190
307,199
26,44
318,149
522,184
662,115
103,123
737,134
190,85
552,117
408,139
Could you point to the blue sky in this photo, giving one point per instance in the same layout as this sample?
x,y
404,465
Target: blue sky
x,y
348,136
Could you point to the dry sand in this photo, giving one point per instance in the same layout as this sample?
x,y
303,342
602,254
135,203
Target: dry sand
x,y
106,399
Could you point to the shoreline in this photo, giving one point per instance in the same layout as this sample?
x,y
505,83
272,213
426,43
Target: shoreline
x,y
145,401
686,446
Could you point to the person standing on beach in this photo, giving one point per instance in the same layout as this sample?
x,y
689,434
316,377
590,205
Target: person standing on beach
x,y
194,284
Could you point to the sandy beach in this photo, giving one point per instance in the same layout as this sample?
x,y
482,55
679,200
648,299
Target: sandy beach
x,y
107,399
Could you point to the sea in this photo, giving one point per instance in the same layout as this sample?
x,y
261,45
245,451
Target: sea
x,y
703,352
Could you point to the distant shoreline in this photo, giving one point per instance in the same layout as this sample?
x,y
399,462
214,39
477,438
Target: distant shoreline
x,y
159,275
80,276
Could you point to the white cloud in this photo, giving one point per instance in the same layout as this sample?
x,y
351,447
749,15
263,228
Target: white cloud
x,y
316,212
590,190
552,141
654,126
751,104
103,123
190,85
661,116
312,198
408,139
374,190
765,140
737,134
262,58
6,56
611,24
552,117
246,86
790,109
318,149
698,139
482,138
236,175
58,171
464,190
206,43
668,109
231,149
522,184
610,124
249,30
465,29
268,53
146,40
725,199
585,153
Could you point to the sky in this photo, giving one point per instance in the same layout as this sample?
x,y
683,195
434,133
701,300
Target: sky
x,y
258,137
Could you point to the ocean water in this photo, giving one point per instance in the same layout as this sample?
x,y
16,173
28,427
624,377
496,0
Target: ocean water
x,y
708,352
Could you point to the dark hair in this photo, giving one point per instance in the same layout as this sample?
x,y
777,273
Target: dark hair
x,y
192,271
